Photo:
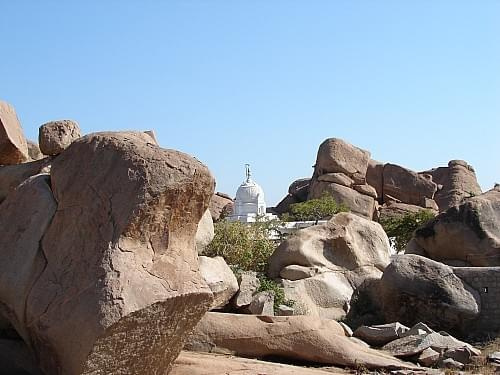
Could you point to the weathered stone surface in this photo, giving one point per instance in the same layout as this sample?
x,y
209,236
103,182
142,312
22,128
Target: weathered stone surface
x,y
205,232
13,146
326,295
347,330
284,310
295,272
469,232
11,176
338,178
392,210
451,364
219,278
249,283
262,304
55,136
336,155
375,176
34,151
221,205
300,189
407,186
24,217
414,289
117,262
462,354
358,203
413,345
346,242
428,357
380,335
458,181
342,253
295,337
418,329
191,363
366,190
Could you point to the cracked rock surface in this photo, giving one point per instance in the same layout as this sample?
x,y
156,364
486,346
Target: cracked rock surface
x,y
104,261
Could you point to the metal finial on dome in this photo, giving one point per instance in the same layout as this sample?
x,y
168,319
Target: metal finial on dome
x,y
247,171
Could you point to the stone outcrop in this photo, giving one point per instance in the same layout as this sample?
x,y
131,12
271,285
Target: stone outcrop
x,y
219,278
379,335
300,189
407,186
221,205
339,167
360,204
415,289
13,146
336,155
469,232
295,337
413,345
11,176
34,151
205,232
333,258
55,136
346,242
115,262
248,285
457,181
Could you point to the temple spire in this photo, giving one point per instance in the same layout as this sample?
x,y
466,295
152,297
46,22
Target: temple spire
x,y
247,172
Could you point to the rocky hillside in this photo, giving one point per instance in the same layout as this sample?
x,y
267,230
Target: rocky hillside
x,y
112,264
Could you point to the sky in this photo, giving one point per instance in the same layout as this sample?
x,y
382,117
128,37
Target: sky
x,y
264,82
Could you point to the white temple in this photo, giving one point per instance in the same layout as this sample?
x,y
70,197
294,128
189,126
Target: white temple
x,y
249,204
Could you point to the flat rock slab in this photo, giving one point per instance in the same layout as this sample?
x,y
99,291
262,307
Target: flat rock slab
x,y
190,363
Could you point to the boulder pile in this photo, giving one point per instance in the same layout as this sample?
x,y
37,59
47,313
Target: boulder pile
x,y
377,190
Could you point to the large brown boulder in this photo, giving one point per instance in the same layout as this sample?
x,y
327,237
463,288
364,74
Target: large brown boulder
x,y
375,176
221,205
295,337
300,189
336,155
346,242
416,289
407,186
13,146
359,204
55,136
339,255
457,181
11,176
469,232
113,282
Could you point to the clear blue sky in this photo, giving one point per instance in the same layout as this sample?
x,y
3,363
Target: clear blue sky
x,y
415,82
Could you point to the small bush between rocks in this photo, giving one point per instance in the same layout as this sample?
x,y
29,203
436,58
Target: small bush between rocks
x,y
315,209
400,229
245,247
268,285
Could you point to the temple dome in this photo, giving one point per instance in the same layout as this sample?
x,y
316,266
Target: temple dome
x,y
249,192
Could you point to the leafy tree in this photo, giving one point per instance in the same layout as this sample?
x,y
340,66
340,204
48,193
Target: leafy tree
x,y
400,229
316,209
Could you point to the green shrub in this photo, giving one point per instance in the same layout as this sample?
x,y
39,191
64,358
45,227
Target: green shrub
x,y
315,209
272,286
400,229
246,247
